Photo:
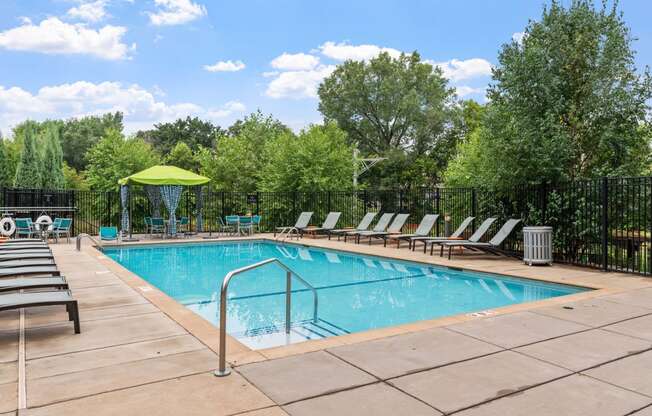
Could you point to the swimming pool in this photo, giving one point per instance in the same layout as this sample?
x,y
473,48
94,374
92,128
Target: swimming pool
x,y
356,292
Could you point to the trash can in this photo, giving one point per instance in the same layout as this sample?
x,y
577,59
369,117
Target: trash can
x,y
537,245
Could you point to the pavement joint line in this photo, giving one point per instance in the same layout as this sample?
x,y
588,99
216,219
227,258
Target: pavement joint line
x,y
648,313
50,324
615,385
22,390
633,412
242,412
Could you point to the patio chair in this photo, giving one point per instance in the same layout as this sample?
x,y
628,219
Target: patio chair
x,y
455,235
109,234
158,226
394,228
23,228
476,236
302,222
363,226
493,246
224,228
63,228
26,262
380,226
9,301
21,283
148,226
424,228
184,226
30,271
329,224
255,223
245,225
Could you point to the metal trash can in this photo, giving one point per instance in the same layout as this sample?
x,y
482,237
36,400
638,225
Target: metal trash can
x,y
537,245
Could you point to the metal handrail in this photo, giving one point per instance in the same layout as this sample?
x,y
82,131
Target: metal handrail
x,y
82,235
222,370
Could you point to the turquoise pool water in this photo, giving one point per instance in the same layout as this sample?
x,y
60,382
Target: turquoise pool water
x,y
356,292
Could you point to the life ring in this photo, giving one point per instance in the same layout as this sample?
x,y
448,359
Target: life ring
x,y
45,220
3,226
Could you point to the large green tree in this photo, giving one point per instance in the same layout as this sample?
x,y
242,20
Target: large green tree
x,y
317,159
7,171
182,156
115,157
52,160
28,172
192,131
78,135
566,102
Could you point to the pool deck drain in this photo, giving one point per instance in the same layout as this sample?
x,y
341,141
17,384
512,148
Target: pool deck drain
x,y
140,352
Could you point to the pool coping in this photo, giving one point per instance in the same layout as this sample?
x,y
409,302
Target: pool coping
x,y
240,354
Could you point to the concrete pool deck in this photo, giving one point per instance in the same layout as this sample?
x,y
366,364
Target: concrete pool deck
x,y
140,352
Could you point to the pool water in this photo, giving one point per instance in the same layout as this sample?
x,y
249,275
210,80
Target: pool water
x,y
356,292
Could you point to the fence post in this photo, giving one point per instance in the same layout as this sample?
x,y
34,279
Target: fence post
x,y
437,206
605,224
474,207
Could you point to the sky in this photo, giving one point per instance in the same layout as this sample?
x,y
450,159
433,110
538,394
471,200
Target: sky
x,y
158,60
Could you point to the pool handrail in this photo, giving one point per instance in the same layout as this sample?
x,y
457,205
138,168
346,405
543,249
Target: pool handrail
x,y
82,235
222,370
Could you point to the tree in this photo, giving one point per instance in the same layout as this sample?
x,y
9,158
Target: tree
x,y
52,161
73,179
318,159
79,135
28,172
7,173
182,157
115,157
567,102
192,131
389,106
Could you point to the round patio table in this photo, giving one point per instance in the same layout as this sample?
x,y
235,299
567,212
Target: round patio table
x,y
43,229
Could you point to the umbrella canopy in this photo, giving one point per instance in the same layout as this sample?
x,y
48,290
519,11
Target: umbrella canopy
x,y
164,175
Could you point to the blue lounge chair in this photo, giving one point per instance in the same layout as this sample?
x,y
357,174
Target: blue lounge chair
x,y
109,234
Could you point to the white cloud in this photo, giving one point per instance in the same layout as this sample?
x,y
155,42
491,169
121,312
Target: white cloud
x,y
269,74
90,12
457,70
518,37
141,108
225,66
52,36
464,90
298,84
176,12
343,51
295,62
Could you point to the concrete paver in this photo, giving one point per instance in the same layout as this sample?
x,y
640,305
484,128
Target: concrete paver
x,y
633,373
638,327
576,395
377,400
639,297
593,312
404,354
644,412
294,378
517,329
8,346
585,349
469,383
9,395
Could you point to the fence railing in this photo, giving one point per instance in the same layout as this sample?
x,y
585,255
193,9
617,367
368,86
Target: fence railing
x,y
603,223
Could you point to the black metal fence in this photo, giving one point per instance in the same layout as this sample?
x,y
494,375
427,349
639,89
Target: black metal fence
x,y
602,223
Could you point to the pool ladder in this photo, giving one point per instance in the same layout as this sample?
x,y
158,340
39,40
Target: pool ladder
x,y
82,235
222,370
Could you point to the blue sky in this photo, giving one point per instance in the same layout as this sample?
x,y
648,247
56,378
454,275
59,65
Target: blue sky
x,y
157,60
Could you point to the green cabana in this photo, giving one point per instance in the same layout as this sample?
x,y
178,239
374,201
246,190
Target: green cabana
x,y
162,183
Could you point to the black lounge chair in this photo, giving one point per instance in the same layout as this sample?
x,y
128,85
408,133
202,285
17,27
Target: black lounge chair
x,y
394,228
23,241
18,253
363,226
21,262
30,271
25,256
493,246
476,236
380,226
9,301
456,234
425,226
12,247
329,224
18,283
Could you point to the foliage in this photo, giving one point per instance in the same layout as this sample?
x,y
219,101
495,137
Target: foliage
x,y
73,179
181,156
192,131
28,172
318,159
78,135
566,103
7,171
115,157
52,160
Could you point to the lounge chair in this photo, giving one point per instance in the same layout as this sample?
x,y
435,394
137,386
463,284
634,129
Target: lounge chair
x,y
20,283
109,234
394,228
493,246
25,256
22,241
16,247
29,271
380,226
475,237
18,253
9,301
302,222
363,226
329,224
26,262
455,235
424,228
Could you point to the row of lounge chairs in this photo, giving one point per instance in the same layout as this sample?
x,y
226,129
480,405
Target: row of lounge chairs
x,y
29,277
389,228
